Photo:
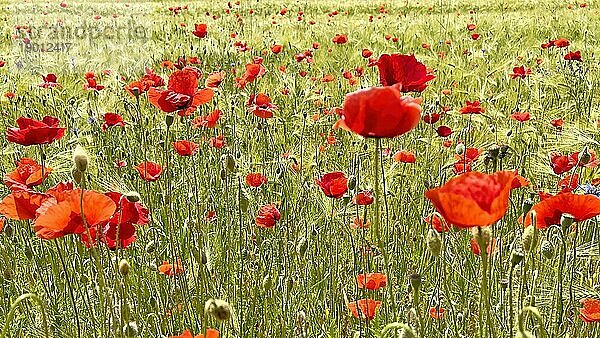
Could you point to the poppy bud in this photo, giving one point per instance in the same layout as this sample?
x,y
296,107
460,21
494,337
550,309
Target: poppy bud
x,y
130,330
228,162
504,283
547,249
460,149
267,282
152,301
516,256
8,230
150,247
80,158
527,205
482,235
407,334
566,220
351,182
218,308
415,281
124,267
434,243
529,238
203,257
223,174
302,246
77,175
132,196
584,156
503,151
493,151
244,202
169,119
28,252
7,274
460,317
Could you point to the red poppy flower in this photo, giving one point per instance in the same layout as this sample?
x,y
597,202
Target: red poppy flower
x,y
444,131
255,179
136,88
261,106
371,281
568,183
112,120
27,174
368,308
30,131
366,53
267,216
276,49
471,27
121,224
592,162
435,221
404,156
334,184
62,216
520,72
340,39
253,71
185,148
521,117
591,310
557,123
359,223
21,205
472,108
469,155
436,314
475,36
149,171
561,163
560,43
550,210
200,30
169,269
364,197
92,84
181,93
473,199
519,181
50,81
380,112
573,56
403,69
153,79
431,118
217,142
213,80
208,121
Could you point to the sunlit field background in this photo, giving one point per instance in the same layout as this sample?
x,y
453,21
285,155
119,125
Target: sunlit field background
x,y
203,262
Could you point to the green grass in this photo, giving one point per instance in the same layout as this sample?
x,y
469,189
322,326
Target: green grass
x,y
310,260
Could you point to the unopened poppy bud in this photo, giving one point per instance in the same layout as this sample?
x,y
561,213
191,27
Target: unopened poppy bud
x,y
77,175
415,281
169,119
244,202
584,156
28,252
529,238
130,330
150,247
527,205
516,257
493,151
460,149
434,242
482,235
80,158
547,249
8,230
152,301
504,283
124,267
566,220
223,174
218,308
351,182
302,246
228,162
132,196
503,151
267,283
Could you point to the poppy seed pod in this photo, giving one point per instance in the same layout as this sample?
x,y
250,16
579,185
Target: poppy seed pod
x,y
566,220
584,157
434,243
415,281
80,158
527,204
169,119
132,196
547,249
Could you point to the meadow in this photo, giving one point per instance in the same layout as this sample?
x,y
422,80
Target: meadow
x,y
299,168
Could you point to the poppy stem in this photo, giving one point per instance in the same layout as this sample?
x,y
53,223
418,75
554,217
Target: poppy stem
x,y
376,223
484,294
13,308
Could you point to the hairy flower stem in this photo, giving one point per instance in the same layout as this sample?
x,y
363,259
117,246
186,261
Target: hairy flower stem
x,y
13,309
484,294
376,224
